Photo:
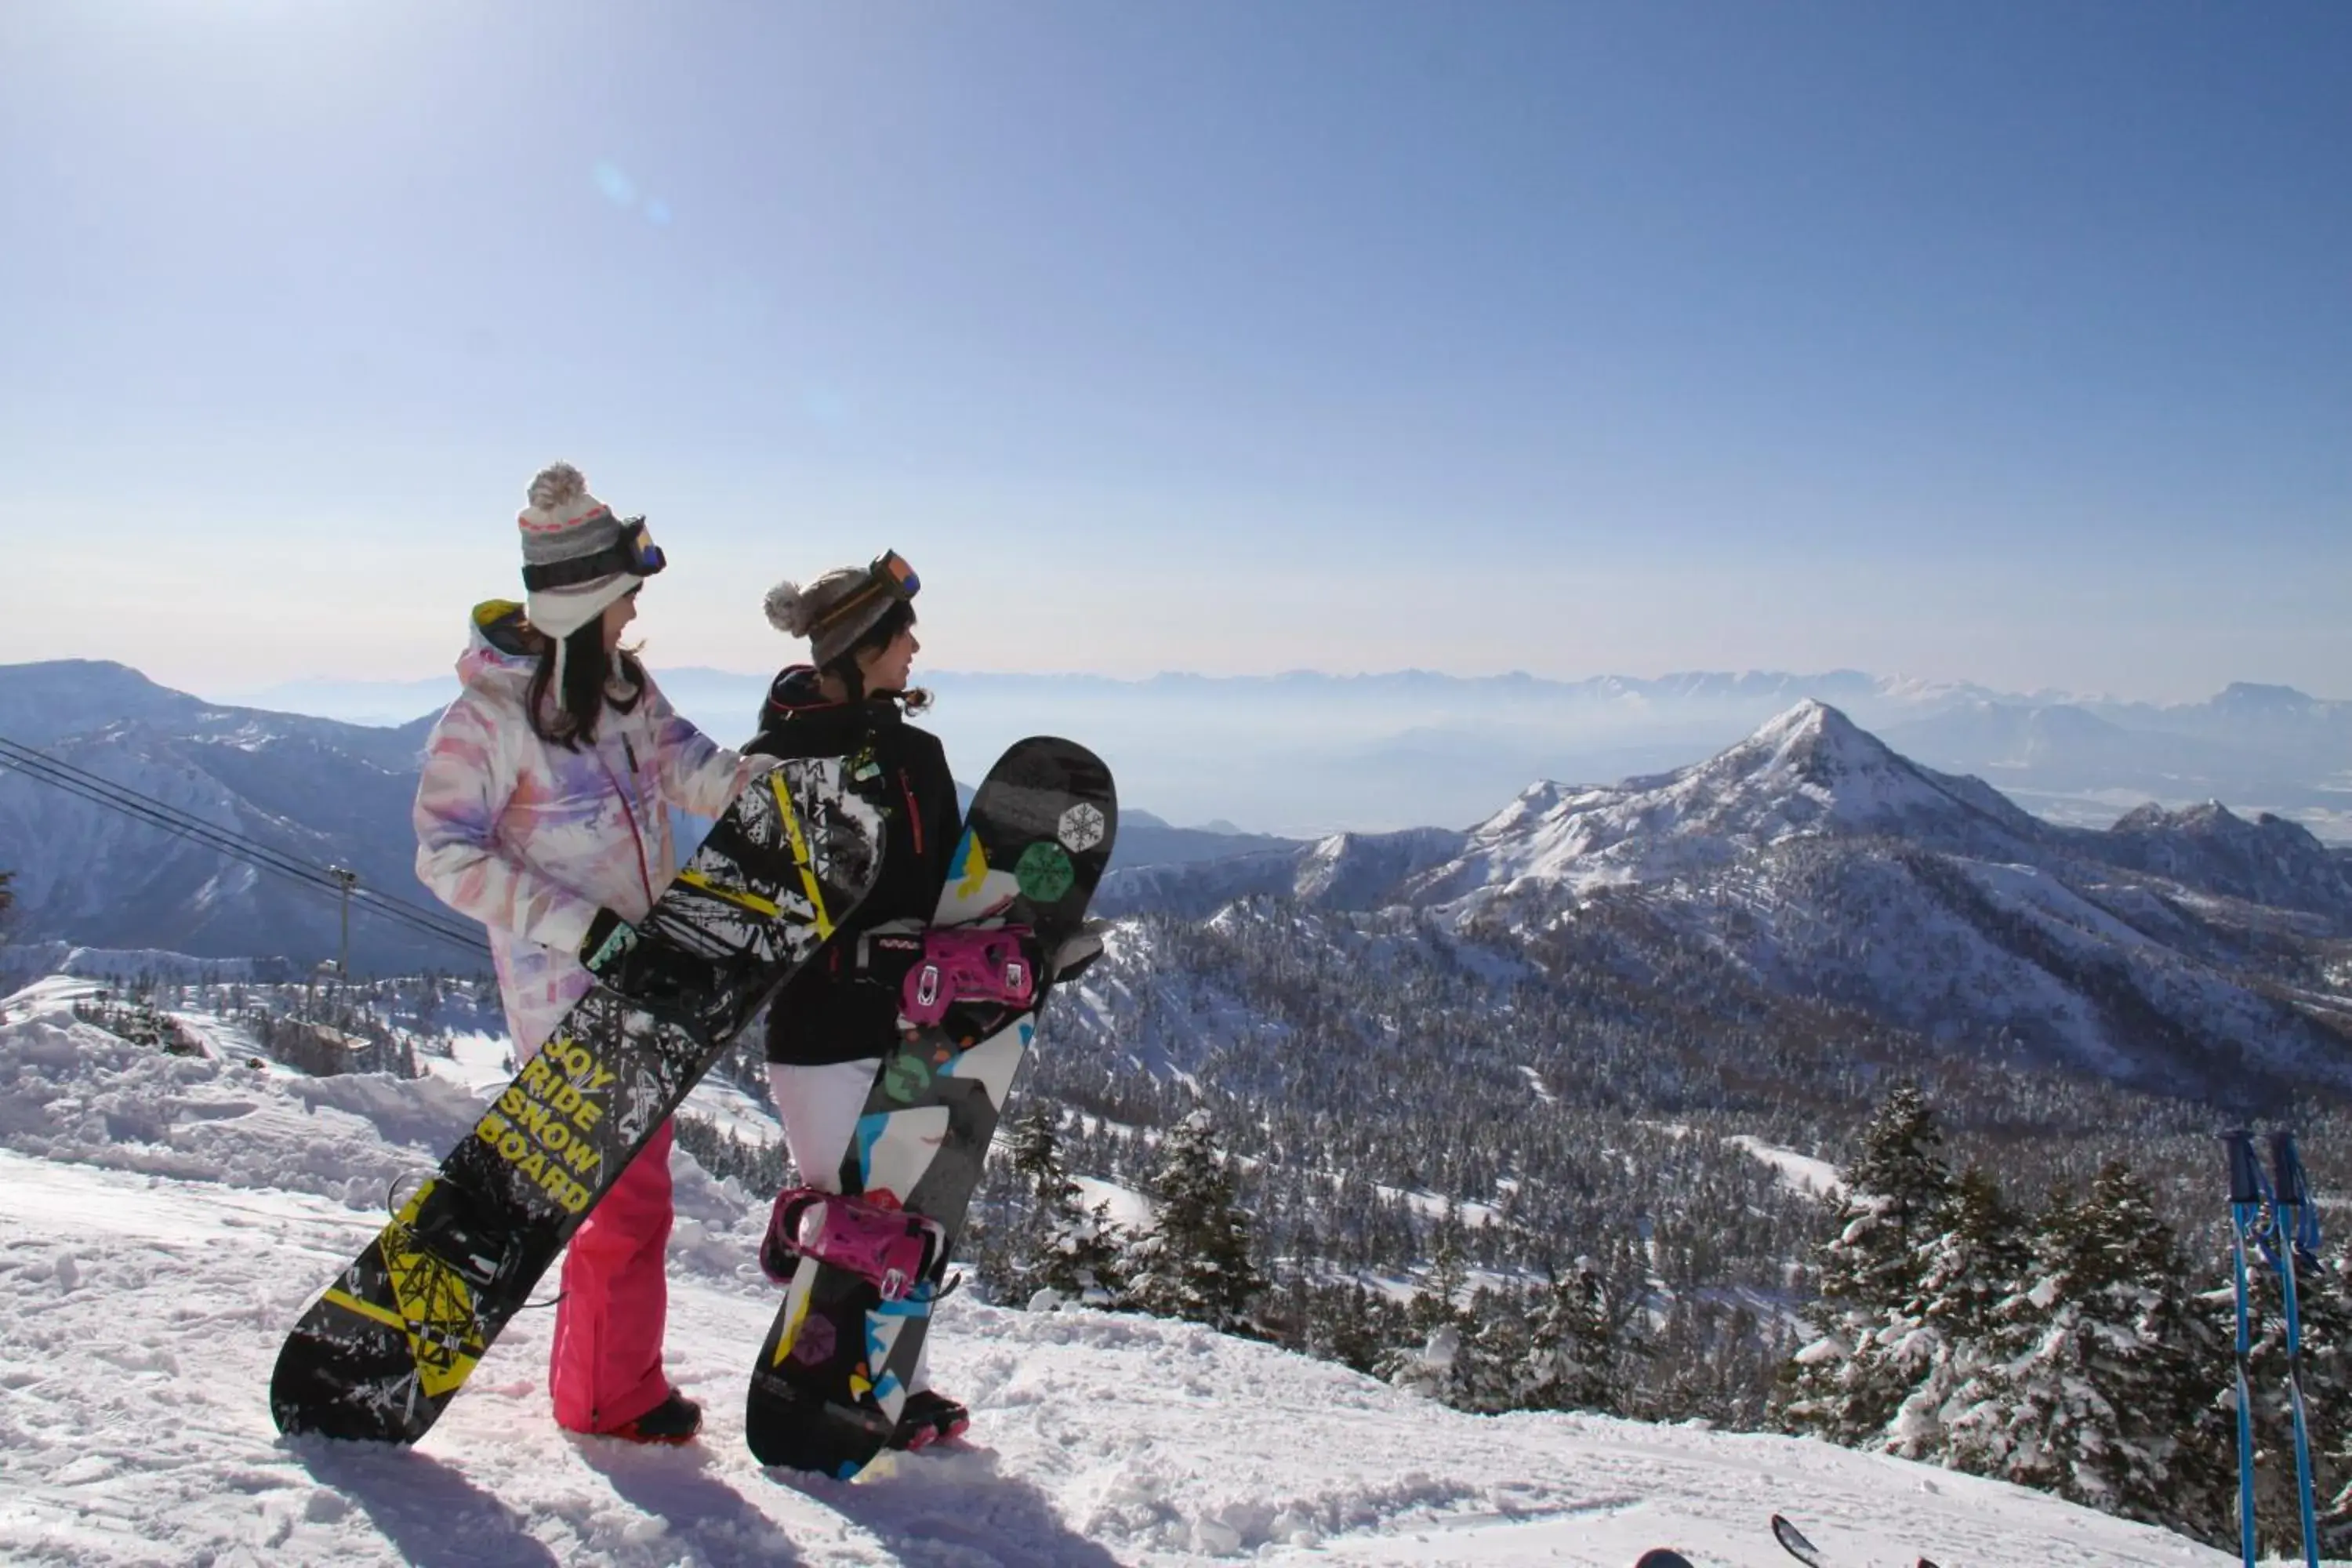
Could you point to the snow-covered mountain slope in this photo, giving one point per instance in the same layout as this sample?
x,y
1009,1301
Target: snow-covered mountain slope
x,y
39,702
1344,871
168,1216
2176,950
318,792
1808,772
91,874
2172,950
2268,860
44,702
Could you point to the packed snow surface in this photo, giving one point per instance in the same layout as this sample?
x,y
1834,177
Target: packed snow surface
x,y
168,1218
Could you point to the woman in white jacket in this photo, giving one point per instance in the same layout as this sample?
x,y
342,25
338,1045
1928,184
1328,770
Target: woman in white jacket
x,y
543,813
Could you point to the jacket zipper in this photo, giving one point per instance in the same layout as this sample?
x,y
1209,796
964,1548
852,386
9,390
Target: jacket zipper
x,y
629,814
914,817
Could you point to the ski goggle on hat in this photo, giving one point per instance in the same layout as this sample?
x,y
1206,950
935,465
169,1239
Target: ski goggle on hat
x,y
633,553
889,577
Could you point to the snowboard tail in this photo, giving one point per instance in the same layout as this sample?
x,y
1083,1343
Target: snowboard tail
x,y
832,1377
394,1337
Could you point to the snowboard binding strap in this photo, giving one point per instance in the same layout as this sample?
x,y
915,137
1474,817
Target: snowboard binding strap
x,y
895,1250
967,964
447,1227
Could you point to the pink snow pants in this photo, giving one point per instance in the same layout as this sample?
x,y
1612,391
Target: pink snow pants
x,y
606,1367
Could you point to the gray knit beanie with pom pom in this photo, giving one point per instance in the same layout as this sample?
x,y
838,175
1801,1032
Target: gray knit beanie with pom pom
x,y
823,611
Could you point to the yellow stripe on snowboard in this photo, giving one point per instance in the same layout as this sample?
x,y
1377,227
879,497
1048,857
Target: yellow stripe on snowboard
x,y
791,1331
738,896
384,1315
801,856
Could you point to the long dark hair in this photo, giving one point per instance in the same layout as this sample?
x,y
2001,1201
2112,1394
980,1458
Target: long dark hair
x,y
898,617
586,673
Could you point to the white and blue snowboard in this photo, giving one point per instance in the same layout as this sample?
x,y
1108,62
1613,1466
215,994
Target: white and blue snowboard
x,y
832,1376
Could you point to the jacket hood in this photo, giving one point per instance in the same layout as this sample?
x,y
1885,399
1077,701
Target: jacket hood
x,y
797,696
797,689
495,643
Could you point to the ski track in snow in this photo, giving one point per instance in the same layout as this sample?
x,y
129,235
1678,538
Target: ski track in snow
x,y
167,1218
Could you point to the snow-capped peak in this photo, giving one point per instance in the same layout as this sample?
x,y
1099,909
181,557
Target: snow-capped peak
x,y
1812,744
1809,770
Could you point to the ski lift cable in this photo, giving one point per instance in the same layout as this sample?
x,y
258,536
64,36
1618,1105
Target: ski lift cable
x,y
171,822
105,792
238,848
228,845
129,801
86,785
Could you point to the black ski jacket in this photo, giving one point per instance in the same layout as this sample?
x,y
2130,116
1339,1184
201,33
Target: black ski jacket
x,y
825,1013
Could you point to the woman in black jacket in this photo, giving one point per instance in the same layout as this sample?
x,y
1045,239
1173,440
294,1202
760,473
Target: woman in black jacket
x,y
829,1027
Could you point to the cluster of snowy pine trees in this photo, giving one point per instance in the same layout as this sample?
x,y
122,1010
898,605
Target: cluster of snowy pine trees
x,y
1589,1337
1049,1246
2076,1349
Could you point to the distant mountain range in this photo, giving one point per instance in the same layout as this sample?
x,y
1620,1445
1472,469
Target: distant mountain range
x,y
1809,862
322,792
2175,949
1305,755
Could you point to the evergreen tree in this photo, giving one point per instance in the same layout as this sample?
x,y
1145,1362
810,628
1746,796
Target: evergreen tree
x,y
1573,1352
2329,1377
1441,1301
1900,1166
1939,1338
2100,1372
1358,1325
1059,1243
1035,1148
1430,1352
1194,1260
1845,1384
1492,1373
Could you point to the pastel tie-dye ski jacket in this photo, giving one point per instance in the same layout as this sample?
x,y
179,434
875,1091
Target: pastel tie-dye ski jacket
x,y
530,838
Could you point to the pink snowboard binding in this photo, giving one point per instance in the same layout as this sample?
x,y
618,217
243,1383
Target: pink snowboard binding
x,y
969,964
893,1249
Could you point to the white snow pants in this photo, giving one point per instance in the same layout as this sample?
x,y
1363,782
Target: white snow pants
x,y
819,1107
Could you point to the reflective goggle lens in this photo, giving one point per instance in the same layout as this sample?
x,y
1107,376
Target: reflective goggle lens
x,y
646,557
892,570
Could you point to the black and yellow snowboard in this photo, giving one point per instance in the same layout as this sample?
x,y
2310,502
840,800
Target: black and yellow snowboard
x,y
396,1336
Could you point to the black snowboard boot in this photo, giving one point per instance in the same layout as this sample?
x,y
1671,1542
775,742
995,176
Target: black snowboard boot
x,y
929,1418
674,1420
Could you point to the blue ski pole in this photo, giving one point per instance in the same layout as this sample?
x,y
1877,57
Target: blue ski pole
x,y
2298,1230
2245,1217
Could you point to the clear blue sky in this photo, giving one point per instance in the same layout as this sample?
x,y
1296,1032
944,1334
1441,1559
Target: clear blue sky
x,y
2004,342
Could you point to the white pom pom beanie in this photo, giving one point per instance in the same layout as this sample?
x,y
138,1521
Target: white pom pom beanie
x,y
564,523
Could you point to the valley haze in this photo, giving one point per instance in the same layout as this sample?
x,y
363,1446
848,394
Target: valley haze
x,y
1304,753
